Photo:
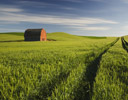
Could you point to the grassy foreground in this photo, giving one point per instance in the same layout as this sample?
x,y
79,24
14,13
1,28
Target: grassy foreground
x,y
68,68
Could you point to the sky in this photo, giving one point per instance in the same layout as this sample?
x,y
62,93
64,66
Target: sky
x,y
78,17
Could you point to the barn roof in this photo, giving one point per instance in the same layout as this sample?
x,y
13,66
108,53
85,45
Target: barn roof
x,y
33,32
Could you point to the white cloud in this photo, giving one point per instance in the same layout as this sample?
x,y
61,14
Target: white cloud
x,y
10,30
3,9
8,22
92,28
50,19
125,27
9,15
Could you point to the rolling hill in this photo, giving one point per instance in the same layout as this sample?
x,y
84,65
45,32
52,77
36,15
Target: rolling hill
x,y
56,36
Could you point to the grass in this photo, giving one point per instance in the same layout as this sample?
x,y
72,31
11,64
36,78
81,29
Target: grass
x,y
77,84
94,37
111,80
68,68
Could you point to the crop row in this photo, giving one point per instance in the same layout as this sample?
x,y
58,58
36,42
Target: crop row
x,y
34,80
32,70
76,87
111,82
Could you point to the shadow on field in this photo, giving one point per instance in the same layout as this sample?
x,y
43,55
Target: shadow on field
x,y
51,40
12,41
124,44
24,41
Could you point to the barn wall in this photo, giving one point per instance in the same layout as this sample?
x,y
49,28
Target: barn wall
x,y
43,35
32,38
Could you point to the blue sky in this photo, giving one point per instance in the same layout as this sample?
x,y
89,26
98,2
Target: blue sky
x,y
79,17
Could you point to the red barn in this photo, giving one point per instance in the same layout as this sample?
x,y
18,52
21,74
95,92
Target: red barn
x,y
35,35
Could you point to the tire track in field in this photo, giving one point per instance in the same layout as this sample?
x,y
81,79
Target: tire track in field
x,y
90,75
85,86
124,44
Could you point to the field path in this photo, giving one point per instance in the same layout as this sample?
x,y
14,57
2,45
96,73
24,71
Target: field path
x,y
90,74
124,44
112,75
82,78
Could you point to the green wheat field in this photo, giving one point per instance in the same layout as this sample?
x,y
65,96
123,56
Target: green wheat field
x,y
67,67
